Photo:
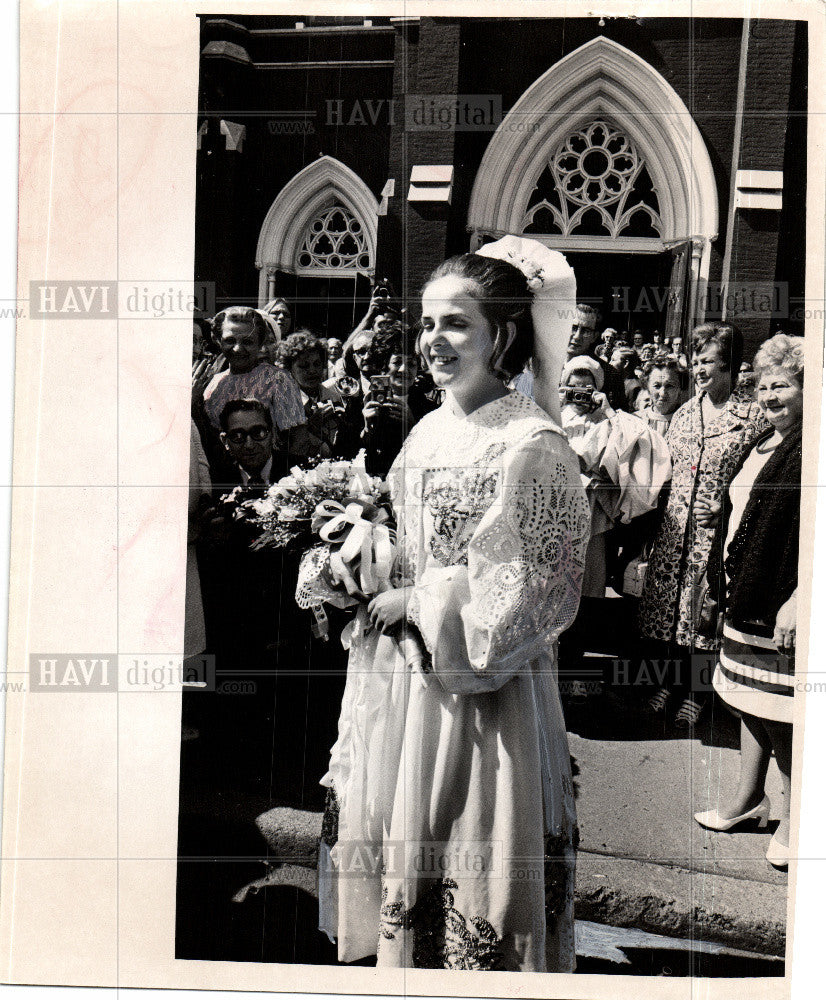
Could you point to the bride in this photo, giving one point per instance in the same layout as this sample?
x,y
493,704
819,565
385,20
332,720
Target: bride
x,y
450,830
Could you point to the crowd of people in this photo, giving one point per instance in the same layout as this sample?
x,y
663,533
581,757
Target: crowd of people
x,y
326,398
671,483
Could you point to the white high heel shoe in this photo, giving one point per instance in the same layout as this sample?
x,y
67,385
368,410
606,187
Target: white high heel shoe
x,y
712,820
777,854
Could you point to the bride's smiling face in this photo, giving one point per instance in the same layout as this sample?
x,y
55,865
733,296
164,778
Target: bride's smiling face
x,y
456,339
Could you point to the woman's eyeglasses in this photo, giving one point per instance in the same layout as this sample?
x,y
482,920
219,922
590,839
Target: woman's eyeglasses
x,y
257,433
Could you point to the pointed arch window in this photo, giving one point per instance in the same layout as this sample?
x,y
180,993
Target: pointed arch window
x,y
322,224
595,183
335,241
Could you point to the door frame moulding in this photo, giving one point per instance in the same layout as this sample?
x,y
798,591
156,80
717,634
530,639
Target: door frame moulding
x,y
315,187
601,79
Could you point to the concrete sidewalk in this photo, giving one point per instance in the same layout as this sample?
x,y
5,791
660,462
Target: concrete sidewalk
x,y
643,861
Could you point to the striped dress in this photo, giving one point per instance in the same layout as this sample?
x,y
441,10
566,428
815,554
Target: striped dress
x,y
753,676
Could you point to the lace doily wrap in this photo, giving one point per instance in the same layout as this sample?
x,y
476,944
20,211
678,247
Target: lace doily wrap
x,y
361,544
552,281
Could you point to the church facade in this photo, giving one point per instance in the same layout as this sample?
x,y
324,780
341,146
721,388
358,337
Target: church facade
x,y
665,157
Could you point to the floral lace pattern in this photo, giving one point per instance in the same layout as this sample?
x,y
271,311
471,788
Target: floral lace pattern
x,y
456,497
314,584
456,505
534,591
443,938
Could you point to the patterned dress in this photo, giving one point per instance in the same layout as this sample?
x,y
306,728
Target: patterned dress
x,y
456,818
704,458
274,388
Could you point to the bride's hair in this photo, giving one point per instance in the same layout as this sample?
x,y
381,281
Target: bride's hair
x,y
504,297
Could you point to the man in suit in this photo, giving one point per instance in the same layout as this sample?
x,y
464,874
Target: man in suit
x,y
583,340
242,586
288,722
248,435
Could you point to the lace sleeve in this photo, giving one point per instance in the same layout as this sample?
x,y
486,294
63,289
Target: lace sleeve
x,y
521,586
315,585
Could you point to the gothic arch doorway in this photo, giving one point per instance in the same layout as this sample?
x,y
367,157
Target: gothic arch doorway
x,y
317,247
600,158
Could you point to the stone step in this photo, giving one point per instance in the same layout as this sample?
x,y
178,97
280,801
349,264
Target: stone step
x,y
292,835
679,902
618,891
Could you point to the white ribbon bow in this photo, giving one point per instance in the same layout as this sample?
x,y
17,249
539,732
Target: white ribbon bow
x,y
359,545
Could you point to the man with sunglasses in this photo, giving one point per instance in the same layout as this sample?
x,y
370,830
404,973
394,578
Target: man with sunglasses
x,y
253,625
243,587
247,434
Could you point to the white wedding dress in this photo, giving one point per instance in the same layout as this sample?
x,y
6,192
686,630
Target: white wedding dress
x,y
456,821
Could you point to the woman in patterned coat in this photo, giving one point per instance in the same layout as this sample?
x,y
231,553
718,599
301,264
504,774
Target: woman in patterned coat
x,y
707,438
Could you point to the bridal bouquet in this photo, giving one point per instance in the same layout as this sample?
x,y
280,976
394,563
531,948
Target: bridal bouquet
x,y
287,515
339,517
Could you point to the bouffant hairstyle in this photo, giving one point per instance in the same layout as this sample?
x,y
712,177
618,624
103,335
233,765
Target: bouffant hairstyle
x,y
240,314
665,362
503,296
781,351
628,356
274,304
728,339
293,346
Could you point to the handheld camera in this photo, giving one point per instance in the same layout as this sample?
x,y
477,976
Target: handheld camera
x,y
579,396
381,389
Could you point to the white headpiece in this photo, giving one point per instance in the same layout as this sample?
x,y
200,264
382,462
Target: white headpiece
x,y
583,363
553,284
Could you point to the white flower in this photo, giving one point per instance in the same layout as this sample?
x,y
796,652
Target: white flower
x,y
533,273
264,508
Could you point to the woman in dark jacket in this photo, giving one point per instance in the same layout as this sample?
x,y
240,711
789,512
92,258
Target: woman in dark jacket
x,y
756,544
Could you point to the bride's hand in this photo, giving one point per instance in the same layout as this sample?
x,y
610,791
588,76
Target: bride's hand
x,y
386,610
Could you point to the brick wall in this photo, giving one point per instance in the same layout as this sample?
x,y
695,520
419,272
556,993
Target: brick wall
x,y
699,58
236,190
755,243
413,239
